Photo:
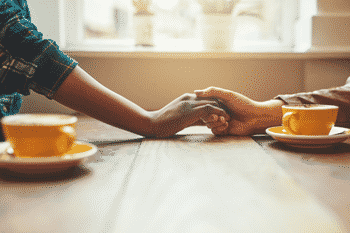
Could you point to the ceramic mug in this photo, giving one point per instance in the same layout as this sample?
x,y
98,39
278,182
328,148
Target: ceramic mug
x,y
309,119
39,135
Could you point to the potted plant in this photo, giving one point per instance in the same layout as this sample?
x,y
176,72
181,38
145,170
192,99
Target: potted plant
x,y
143,25
217,26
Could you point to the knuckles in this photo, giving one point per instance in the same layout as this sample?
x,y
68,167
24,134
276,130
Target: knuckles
x,y
211,90
187,96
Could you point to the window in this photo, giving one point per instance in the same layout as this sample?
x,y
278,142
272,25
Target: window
x,y
259,25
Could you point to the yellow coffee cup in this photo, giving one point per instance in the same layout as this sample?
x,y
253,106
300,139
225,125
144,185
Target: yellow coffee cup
x,y
309,119
39,135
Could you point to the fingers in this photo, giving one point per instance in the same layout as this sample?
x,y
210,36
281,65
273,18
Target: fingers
x,y
234,103
221,130
221,121
210,119
207,111
190,114
214,92
218,125
198,122
235,127
199,102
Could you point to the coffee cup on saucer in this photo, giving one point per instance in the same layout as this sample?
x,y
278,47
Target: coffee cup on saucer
x,y
309,119
39,135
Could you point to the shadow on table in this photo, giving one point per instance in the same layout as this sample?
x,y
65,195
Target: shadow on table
x,y
198,137
67,175
207,138
338,154
336,149
105,143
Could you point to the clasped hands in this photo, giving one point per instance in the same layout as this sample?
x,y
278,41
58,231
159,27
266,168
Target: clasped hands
x,y
224,112
246,116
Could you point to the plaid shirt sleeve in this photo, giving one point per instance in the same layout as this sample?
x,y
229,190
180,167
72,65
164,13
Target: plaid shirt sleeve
x,y
339,96
27,60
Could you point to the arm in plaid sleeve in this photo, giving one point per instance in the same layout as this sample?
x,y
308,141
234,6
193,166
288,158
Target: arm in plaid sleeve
x,y
28,60
339,96
253,117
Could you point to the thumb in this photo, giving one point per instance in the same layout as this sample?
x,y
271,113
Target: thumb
x,y
205,111
214,92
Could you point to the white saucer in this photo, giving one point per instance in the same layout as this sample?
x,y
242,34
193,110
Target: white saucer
x,y
337,135
79,152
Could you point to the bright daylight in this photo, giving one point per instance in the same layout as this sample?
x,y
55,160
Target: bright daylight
x,y
174,116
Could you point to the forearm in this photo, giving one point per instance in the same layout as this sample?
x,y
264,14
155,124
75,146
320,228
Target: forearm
x,y
83,93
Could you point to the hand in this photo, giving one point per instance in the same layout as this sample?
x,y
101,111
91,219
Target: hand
x,y
186,110
216,123
247,116
81,92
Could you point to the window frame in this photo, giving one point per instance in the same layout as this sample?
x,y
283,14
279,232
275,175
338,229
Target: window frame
x,y
71,13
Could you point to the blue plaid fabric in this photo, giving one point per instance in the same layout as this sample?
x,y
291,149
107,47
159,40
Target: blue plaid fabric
x,y
10,104
27,61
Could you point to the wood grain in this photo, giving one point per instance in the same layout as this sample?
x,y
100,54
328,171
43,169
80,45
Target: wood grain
x,y
202,183
192,182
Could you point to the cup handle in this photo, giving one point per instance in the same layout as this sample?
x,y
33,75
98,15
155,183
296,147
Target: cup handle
x,y
71,135
286,122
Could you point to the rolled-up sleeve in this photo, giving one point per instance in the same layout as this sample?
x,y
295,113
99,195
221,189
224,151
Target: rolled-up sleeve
x,y
339,96
29,61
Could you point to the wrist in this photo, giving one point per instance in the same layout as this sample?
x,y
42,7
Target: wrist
x,y
153,126
158,125
271,113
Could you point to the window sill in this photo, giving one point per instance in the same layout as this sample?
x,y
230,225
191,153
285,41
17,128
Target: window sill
x,y
195,51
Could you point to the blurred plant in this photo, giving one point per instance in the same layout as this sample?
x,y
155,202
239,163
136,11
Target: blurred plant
x,y
267,11
142,7
218,6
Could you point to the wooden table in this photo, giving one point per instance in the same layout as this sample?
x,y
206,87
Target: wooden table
x,y
193,182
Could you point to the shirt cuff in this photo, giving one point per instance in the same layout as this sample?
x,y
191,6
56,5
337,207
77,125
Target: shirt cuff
x,y
10,104
53,68
24,42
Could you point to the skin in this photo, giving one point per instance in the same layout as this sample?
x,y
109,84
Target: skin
x,y
247,116
83,93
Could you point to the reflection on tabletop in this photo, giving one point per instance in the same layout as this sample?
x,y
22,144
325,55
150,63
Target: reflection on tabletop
x,y
324,172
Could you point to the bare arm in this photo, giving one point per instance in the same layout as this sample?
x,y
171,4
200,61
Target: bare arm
x,y
83,93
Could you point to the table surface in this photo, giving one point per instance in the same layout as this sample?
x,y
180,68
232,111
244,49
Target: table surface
x,y
192,182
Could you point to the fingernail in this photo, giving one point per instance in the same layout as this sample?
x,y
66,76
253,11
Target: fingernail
x,y
222,119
